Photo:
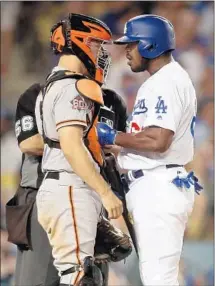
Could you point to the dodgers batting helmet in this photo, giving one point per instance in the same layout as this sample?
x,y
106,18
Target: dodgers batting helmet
x,y
154,34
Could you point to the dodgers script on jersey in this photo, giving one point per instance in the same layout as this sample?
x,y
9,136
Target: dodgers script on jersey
x,y
168,100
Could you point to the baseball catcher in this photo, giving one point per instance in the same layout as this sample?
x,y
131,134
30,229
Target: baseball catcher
x,y
111,244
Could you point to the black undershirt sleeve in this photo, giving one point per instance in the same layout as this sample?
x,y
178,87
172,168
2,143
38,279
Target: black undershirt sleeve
x,y
25,125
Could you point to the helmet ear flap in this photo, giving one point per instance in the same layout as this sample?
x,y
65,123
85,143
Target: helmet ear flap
x,y
146,48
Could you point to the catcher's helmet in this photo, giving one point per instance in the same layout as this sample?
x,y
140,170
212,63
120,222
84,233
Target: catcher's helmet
x,y
155,35
71,36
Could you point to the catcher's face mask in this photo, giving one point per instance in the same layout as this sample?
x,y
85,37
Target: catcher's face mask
x,y
100,56
77,35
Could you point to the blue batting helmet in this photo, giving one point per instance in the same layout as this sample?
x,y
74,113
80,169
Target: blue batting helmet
x,y
155,35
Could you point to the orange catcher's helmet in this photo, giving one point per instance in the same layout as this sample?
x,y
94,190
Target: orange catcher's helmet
x,y
72,35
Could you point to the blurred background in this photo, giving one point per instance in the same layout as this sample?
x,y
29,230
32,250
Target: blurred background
x,y
26,58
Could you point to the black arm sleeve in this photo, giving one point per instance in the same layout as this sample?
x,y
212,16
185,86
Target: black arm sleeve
x,y
25,126
116,103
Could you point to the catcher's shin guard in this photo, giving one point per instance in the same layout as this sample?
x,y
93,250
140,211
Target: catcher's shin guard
x,y
92,274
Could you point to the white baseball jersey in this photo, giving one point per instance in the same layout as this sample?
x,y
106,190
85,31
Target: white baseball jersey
x,y
168,100
62,106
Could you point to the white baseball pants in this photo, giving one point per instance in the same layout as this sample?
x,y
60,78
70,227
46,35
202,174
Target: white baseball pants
x,y
160,212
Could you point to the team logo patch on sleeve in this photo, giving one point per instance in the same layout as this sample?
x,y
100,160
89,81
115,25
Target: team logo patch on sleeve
x,y
160,106
140,107
79,103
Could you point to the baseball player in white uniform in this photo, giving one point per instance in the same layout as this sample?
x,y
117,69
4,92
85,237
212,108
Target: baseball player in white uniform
x,y
155,149
72,193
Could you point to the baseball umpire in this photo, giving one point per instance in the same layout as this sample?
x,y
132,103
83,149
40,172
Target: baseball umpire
x,y
157,146
72,193
34,258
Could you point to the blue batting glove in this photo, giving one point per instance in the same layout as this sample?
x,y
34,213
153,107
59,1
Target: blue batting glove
x,y
106,134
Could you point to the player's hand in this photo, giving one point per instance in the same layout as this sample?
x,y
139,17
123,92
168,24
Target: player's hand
x,y
112,204
106,134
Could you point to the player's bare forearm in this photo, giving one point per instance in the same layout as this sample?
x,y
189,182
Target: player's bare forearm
x,y
153,139
33,145
78,157
80,161
132,141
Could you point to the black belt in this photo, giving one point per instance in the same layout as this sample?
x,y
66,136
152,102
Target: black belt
x,y
136,174
52,175
169,166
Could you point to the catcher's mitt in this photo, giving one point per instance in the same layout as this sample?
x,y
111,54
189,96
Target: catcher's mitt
x,y
111,243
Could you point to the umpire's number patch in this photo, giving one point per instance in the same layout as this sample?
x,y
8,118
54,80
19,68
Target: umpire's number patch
x,y
25,124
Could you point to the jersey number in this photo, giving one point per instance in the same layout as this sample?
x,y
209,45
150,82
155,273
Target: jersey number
x,y
25,124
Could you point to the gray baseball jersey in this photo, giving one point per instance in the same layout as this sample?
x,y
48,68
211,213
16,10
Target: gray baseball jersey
x,y
62,106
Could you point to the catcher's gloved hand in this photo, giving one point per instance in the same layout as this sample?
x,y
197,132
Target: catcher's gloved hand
x,y
111,244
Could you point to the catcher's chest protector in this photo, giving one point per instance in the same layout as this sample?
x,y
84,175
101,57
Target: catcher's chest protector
x,y
85,87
